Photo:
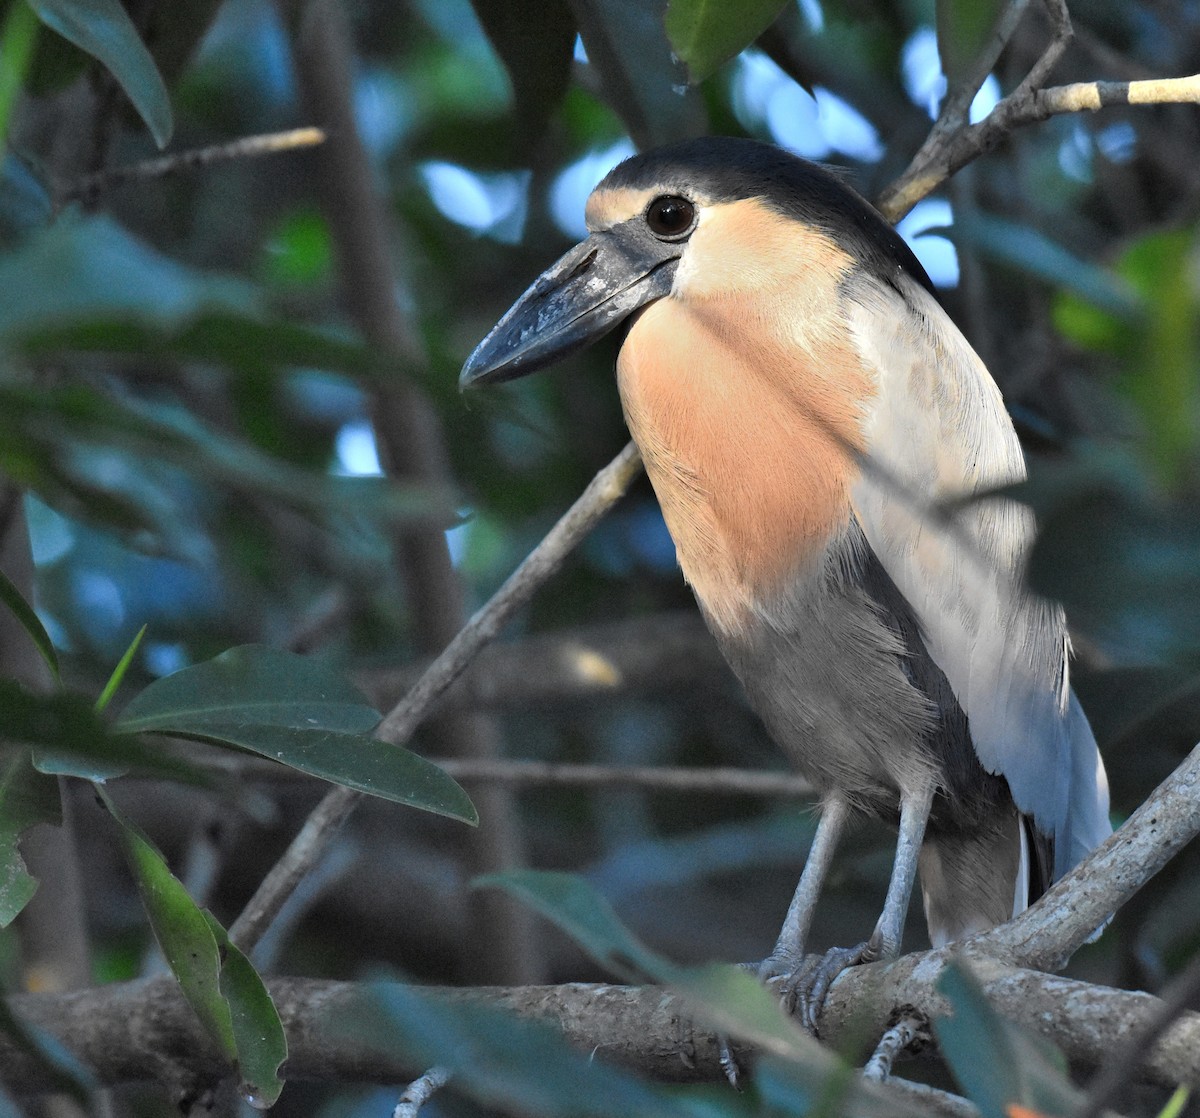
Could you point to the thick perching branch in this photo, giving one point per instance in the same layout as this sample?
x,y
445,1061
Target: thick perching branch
x,y
1048,934
122,1030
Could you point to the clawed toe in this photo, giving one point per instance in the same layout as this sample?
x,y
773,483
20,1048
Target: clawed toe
x,y
802,988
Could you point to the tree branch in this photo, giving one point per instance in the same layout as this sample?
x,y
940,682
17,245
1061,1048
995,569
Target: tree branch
x,y
555,774
89,188
1024,106
1047,934
121,1031
606,488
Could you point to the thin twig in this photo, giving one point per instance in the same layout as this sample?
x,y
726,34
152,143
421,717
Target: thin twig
x,y
88,188
606,488
957,104
1014,112
305,850
903,1033
420,1091
953,113
1062,34
470,770
647,653
723,781
932,1100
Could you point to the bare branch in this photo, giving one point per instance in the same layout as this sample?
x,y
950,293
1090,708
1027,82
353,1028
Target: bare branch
x,y
724,781
606,488
1048,934
899,1037
304,851
420,1091
1024,106
89,188
953,114
121,1031
558,774
931,1100
1119,1071
1087,1022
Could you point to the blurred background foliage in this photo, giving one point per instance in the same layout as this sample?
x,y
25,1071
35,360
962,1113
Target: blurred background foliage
x,y
191,418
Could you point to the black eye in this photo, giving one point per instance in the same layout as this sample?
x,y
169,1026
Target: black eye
x,y
670,216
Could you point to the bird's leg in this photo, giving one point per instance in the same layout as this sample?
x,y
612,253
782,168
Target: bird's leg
x,y
808,988
914,815
788,952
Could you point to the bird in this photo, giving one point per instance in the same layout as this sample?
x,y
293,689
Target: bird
x,y
832,461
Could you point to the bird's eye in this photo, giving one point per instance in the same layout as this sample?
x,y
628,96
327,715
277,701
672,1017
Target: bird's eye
x,y
671,217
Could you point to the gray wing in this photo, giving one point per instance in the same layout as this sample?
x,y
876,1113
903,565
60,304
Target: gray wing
x,y
938,434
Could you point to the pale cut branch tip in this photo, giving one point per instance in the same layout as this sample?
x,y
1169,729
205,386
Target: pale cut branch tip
x,y
91,186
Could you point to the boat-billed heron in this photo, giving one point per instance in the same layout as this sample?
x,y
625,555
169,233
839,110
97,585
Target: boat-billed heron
x,y
827,450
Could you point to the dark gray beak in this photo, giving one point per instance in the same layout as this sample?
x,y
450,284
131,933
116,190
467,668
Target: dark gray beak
x,y
592,289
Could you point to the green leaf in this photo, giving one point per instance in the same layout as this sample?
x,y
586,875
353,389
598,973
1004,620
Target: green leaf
x,y
26,797
581,912
995,1061
1163,380
118,673
181,929
963,29
257,1031
103,29
295,710
1033,253
25,614
1176,1103
705,34
726,998
217,980
237,341
80,269
366,764
1158,351
69,737
49,439
18,33
250,686
25,205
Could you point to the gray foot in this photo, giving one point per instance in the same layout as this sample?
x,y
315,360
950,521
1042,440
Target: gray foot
x,y
802,990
